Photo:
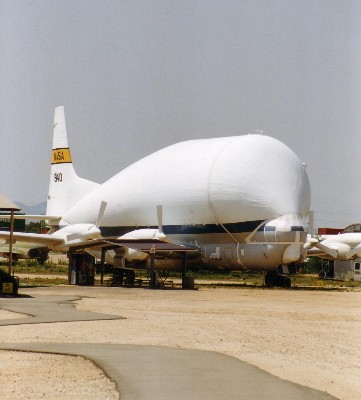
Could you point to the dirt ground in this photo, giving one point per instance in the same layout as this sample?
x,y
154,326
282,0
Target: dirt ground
x,y
51,376
309,337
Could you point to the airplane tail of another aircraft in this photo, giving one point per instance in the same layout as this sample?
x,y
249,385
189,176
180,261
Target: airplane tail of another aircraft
x,y
66,188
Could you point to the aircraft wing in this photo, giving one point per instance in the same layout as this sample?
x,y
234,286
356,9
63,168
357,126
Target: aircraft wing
x,y
43,239
139,239
148,239
147,245
144,245
85,237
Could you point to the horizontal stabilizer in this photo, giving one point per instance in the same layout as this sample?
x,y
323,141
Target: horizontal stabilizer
x,y
32,238
61,239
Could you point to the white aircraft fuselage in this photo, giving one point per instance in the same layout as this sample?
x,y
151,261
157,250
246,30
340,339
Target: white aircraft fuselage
x,y
235,202
241,201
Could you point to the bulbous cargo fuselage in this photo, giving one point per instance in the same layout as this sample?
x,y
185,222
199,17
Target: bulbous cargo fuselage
x,y
218,194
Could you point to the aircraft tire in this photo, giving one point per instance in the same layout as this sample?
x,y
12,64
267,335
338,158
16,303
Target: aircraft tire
x,y
270,279
286,282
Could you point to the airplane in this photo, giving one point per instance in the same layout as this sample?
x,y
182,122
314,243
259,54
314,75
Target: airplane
x,y
342,246
21,250
234,203
24,251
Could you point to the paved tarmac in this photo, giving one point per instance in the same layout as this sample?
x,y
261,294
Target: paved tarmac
x,y
48,309
156,373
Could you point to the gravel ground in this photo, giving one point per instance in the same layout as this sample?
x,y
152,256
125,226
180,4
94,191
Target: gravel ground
x,y
50,376
308,337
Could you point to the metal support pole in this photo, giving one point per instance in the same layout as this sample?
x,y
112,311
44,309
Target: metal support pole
x,y
102,261
70,265
10,270
152,274
184,270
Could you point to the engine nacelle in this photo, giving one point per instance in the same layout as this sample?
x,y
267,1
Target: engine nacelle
x,y
244,256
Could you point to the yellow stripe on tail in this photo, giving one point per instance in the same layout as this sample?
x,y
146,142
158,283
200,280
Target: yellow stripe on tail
x,y
60,156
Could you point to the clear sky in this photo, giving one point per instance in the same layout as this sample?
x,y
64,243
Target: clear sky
x,y
136,76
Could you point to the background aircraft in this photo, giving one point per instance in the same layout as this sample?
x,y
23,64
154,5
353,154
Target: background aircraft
x,y
23,250
343,246
236,202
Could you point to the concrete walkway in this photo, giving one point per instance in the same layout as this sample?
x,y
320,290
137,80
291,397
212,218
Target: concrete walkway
x,y
48,309
155,373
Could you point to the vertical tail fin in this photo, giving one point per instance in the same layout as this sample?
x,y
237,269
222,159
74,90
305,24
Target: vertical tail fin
x,y
66,188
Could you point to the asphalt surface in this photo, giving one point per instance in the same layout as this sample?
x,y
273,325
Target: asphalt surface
x,y
48,309
155,373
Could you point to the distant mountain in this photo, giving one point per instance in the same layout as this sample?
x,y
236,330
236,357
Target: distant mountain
x,y
36,209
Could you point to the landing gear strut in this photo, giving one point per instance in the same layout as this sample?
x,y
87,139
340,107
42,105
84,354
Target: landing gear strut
x,y
273,278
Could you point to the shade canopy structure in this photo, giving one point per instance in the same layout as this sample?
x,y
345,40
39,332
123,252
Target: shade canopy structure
x,y
8,205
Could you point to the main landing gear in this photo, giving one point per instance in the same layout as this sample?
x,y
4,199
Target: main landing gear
x,y
274,278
